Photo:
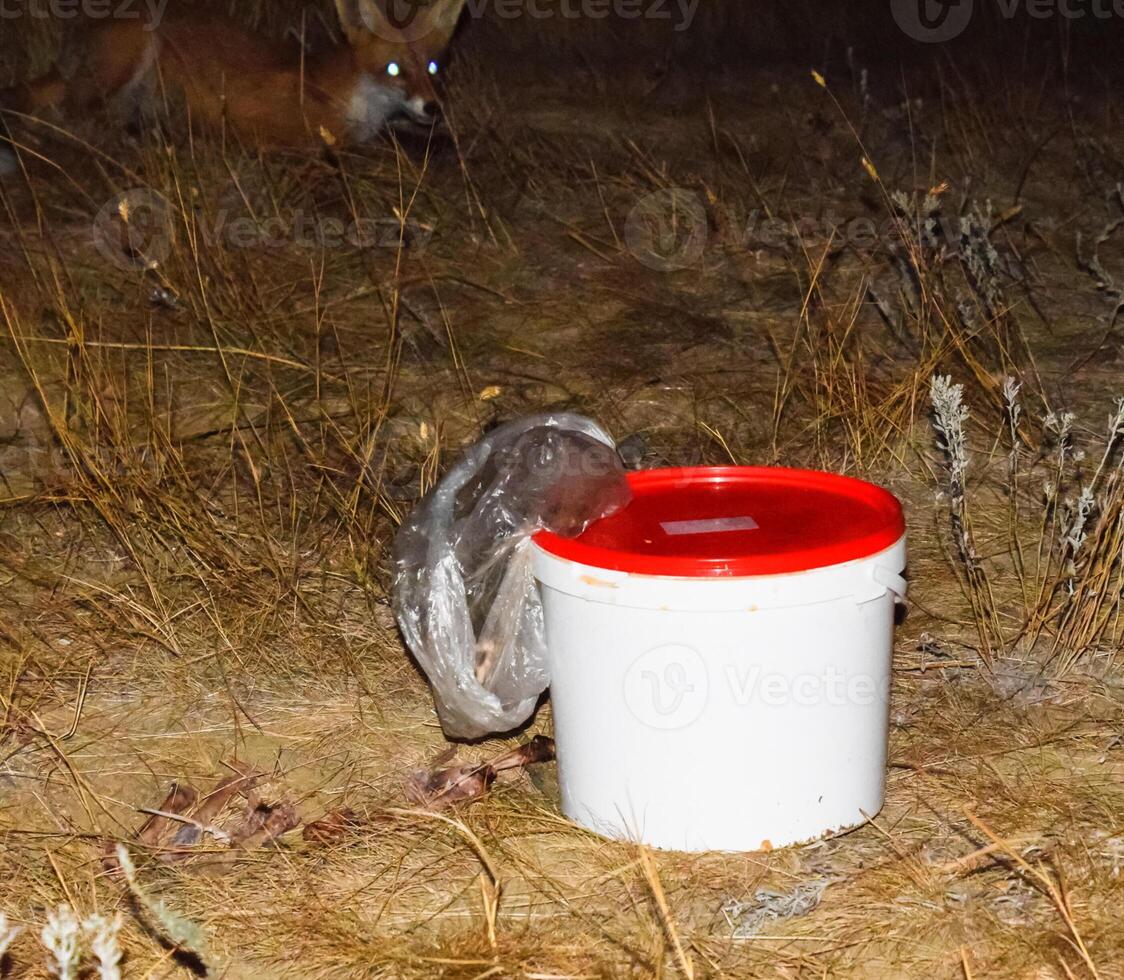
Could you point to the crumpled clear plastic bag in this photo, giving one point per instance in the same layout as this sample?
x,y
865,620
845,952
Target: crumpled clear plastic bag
x,y
464,592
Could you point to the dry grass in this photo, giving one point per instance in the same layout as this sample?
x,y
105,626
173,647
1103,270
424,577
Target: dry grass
x,y
205,450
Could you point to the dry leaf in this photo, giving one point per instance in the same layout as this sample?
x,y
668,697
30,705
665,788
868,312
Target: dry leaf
x,y
157,830
264,824
461,784
447,787
212,805
332,828
539,749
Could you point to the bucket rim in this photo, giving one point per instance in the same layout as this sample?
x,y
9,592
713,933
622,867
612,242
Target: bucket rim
x,y
825,542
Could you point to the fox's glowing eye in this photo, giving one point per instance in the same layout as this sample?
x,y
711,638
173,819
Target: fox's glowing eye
x,y
433,67
393,69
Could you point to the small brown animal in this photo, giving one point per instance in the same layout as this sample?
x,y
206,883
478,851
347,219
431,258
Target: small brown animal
x,y
267,93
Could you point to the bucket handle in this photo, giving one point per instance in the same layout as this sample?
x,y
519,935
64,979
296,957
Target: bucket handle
x,y
893,581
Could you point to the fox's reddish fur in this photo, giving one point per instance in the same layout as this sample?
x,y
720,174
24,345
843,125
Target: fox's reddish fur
x,y
265,92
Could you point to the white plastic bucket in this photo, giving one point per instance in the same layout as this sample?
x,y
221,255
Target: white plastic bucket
x,y
702,705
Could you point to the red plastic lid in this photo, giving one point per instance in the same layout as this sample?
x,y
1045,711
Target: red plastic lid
x,y
736,520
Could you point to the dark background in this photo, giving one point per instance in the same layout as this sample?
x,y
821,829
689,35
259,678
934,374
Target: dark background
x,y
725,35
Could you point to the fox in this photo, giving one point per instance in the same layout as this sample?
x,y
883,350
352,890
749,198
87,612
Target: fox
x,y
270,95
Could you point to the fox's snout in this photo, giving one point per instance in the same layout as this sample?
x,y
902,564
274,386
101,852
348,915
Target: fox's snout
x,y
423,111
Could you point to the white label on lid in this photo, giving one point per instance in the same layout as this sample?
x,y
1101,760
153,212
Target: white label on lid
x,y
715,525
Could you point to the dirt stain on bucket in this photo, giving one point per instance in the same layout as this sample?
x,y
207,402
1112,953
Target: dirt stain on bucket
x,y
597,582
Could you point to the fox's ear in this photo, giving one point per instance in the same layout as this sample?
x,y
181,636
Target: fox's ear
x,y
358,18
441,18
